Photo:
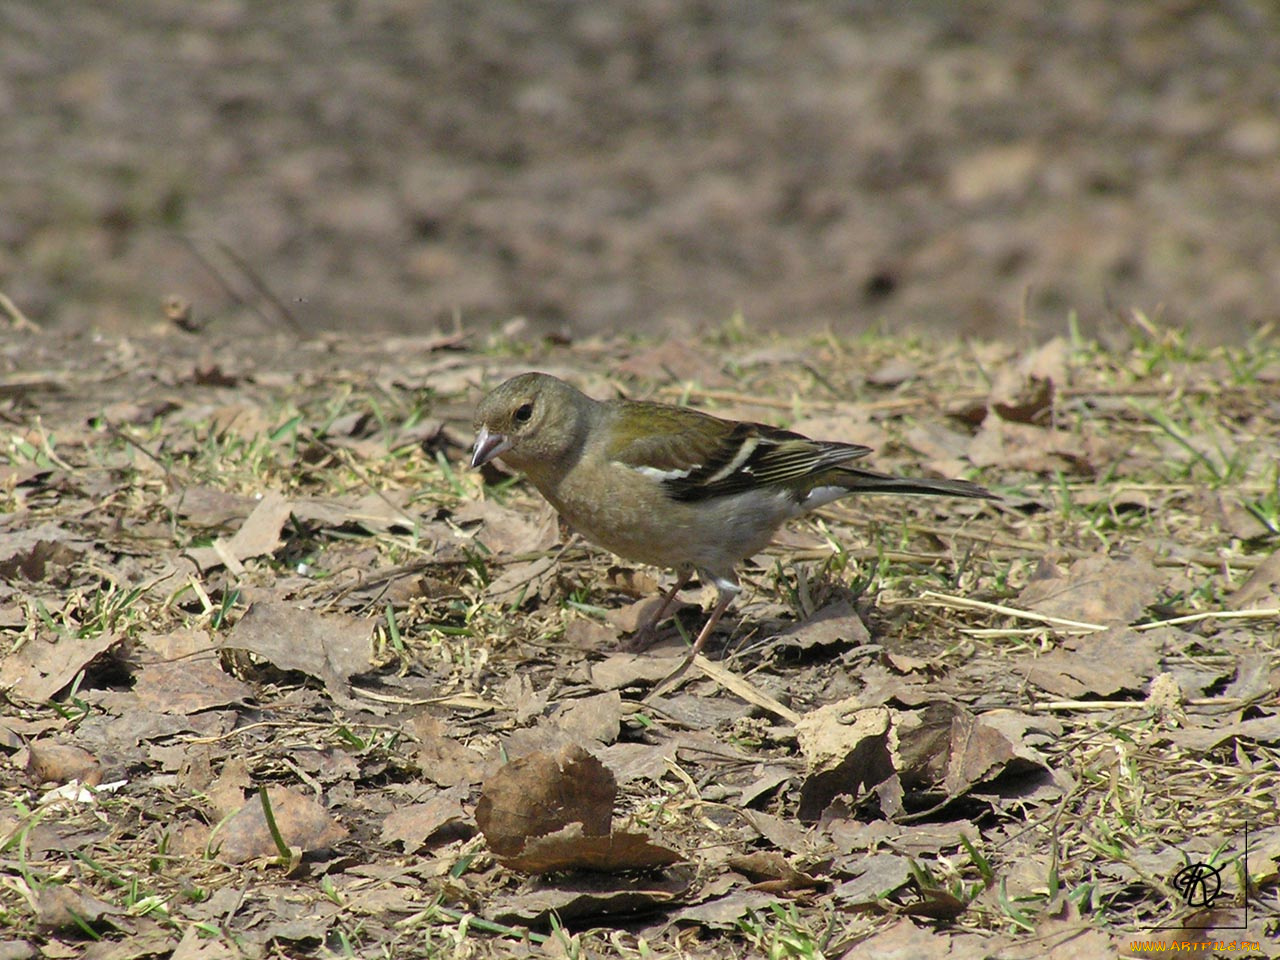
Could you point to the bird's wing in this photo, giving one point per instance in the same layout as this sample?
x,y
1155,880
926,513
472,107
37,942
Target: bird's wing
x,y
697,456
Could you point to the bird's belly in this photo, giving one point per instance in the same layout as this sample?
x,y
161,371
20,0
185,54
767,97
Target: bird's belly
x,y
710,534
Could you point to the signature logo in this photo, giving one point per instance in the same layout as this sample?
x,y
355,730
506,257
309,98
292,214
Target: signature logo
x,y
1199,883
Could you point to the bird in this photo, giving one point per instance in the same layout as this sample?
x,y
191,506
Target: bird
x,y
671,486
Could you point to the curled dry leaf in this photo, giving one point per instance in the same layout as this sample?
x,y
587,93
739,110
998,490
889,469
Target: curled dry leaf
x,y
849,750
591,894
987,745
1023,399
769,870
60,906
303,823
258,536
549,814
414,824
570,849
329,647
43,666
539,794
1098,589
49,762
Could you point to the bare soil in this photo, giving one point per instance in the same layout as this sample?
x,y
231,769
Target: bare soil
x,y
282,678
643,165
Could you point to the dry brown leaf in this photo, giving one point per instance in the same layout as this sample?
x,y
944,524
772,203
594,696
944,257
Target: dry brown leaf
x,y
893,372
1235,517
947,747
258,536
723,913
583,633
943,452
413,824
1262,589
571,849
196,945
59,906
769,779
43,666
177,644
49,762
904,663
1099,664
632,616
226,794
925,744
632,582
376,512
639,761
591,894
835,623
538,794
875,877
188,686
1099,589
770,867
510,532
904,939
443,760
784,833
303,823
1018,446
674,359
38,553
1203,737
1253,678
1025,391
519,695
541,738
848,750
209,508
330,647
520,582
624,670
984,746
597,717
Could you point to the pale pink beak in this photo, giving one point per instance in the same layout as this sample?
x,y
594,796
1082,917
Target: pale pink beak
x,y
488,445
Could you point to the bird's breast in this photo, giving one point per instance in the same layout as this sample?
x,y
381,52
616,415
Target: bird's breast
x,y
632,517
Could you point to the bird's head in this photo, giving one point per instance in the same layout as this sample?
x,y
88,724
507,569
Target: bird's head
x,y
529,420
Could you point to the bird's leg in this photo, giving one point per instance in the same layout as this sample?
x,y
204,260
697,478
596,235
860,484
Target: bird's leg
x,y
669,681
644,636
722,604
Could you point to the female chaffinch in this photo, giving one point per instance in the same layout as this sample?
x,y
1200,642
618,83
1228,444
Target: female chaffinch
x,y
670,486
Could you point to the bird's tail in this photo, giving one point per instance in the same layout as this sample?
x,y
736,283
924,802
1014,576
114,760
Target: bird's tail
x,y
857,480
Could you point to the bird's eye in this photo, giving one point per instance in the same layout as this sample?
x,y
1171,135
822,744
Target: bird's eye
x,y
524,412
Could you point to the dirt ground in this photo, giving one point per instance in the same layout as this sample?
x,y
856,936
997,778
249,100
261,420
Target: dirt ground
x,y
280,677
644,165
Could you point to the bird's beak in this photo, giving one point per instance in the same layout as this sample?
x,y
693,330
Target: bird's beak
x,y
488,445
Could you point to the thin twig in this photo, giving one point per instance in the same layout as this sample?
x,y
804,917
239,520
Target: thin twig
x,y
932,598
1262,613
261,286
20,320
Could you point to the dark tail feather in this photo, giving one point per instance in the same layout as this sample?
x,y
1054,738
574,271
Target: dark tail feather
x,y
856,480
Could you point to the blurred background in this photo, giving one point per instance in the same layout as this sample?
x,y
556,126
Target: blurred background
x,y
977,168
